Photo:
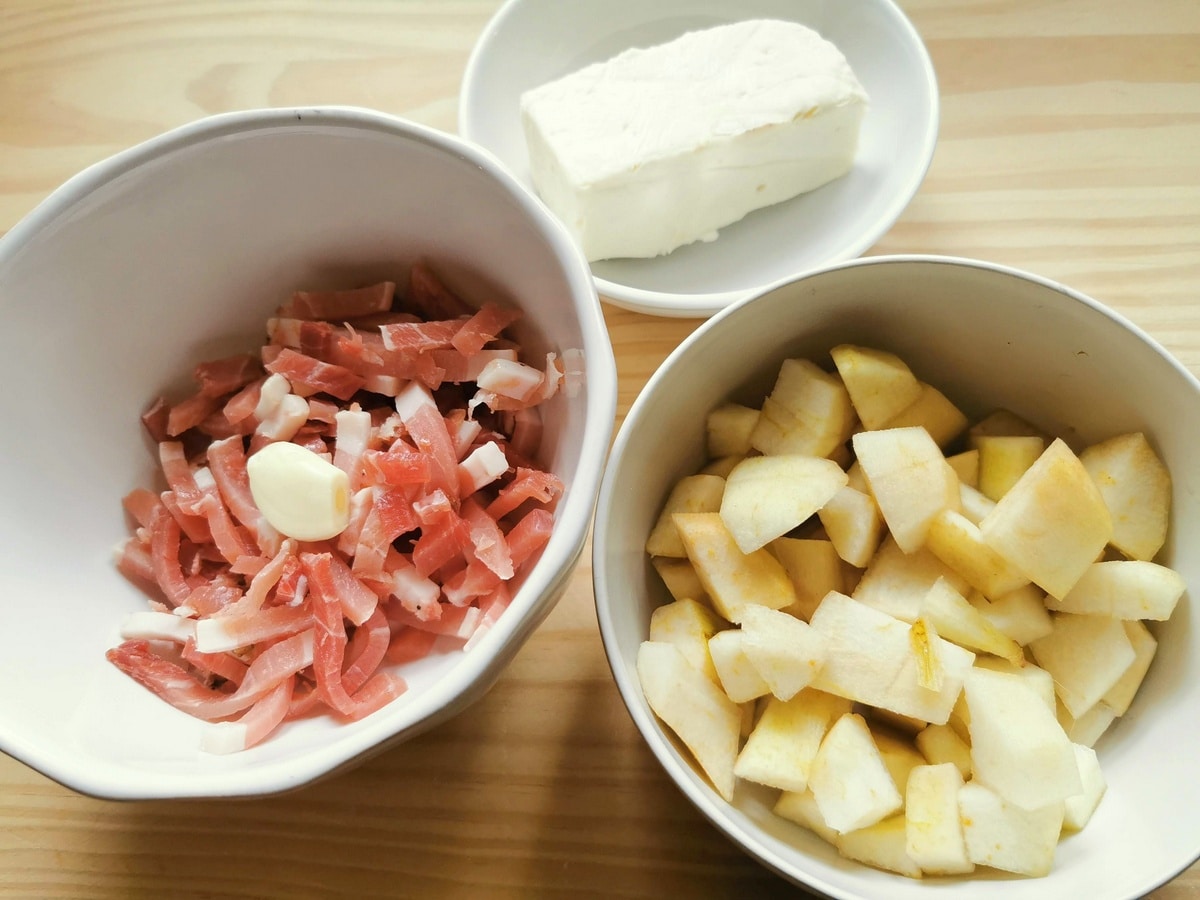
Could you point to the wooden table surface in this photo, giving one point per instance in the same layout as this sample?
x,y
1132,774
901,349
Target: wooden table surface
x,y
1070,145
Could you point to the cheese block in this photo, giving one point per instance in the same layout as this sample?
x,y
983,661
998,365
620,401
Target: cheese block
x,y
660,147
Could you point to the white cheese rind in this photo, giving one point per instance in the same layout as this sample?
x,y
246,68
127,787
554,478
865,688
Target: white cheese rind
x,y
660,147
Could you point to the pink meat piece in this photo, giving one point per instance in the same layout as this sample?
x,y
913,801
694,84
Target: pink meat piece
x,y
227,462
457,367
263,582
527,484
428,432
225,666
400,465
194,527
212,597
429,298
258,722
190,412
218,633
391,515
409,645
329,577
301,369
487,540
339,305
220,377
415,592
526,437
322,411
353,436
484,327
223,531
455,621
491,609
443,541
140,503
135,562
178,473
419,337
154,419
365,651
175,685
164,556
241,405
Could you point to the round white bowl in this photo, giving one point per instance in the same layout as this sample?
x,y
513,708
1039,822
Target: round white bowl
x,y
176,251
988,336
530,42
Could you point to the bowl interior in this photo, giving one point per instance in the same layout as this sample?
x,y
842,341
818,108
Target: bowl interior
x,y
177,252
987,337
531,42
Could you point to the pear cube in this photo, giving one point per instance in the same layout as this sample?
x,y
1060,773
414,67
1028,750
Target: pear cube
x,y
728,428
1007,837
691,494
814,567
1052,524
787,652
933,831
783,745
1124,589
1018,748
807,412
801,807
688,625
679,575
849,781
767,496
692,706
881,385
935,413
896,582
882,845
1086,656
942,744
1003,459
1136,488
732,579
1079,809
1020,614
956,541
957,620
1120,695
854,525
909,478
735,673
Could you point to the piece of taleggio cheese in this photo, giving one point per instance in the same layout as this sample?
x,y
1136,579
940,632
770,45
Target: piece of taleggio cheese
x,y
660,147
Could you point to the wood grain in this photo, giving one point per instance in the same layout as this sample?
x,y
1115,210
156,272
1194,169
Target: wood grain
x,y
1070,146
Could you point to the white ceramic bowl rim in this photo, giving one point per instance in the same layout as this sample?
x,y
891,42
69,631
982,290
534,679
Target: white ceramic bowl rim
x,y
573,514
708,802
703,304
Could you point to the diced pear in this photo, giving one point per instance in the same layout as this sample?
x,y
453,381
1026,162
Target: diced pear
x,y
898,754
693,707
849,780
679,575
1018,748
767,496
801,807
957,620
1052,524
1088,728
942,744
881,385
1079,809
854,525
856,479
896,582
787,652
1020,614
1006,837
691,494
882,845
956,541
749,716
722,465
807,412
966,467
814,568
1003,459
1124,589
973,504
1001,422
926,646
781,748
688,625
933,831
735,673
1036,678
935,413
870,660
1086,656
909,479
1120,695
1136,487
731,578
728,429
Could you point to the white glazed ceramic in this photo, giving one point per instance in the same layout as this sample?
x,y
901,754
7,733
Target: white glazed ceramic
x,y
988,336
176,251
530,42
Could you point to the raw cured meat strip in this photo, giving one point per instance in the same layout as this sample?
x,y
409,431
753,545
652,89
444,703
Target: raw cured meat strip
x,y
432,416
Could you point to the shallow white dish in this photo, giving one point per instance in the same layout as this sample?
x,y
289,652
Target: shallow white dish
x,y
530,42
1041,349
177,251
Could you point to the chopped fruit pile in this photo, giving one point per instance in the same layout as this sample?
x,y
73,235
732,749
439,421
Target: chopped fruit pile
x,y
914,628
